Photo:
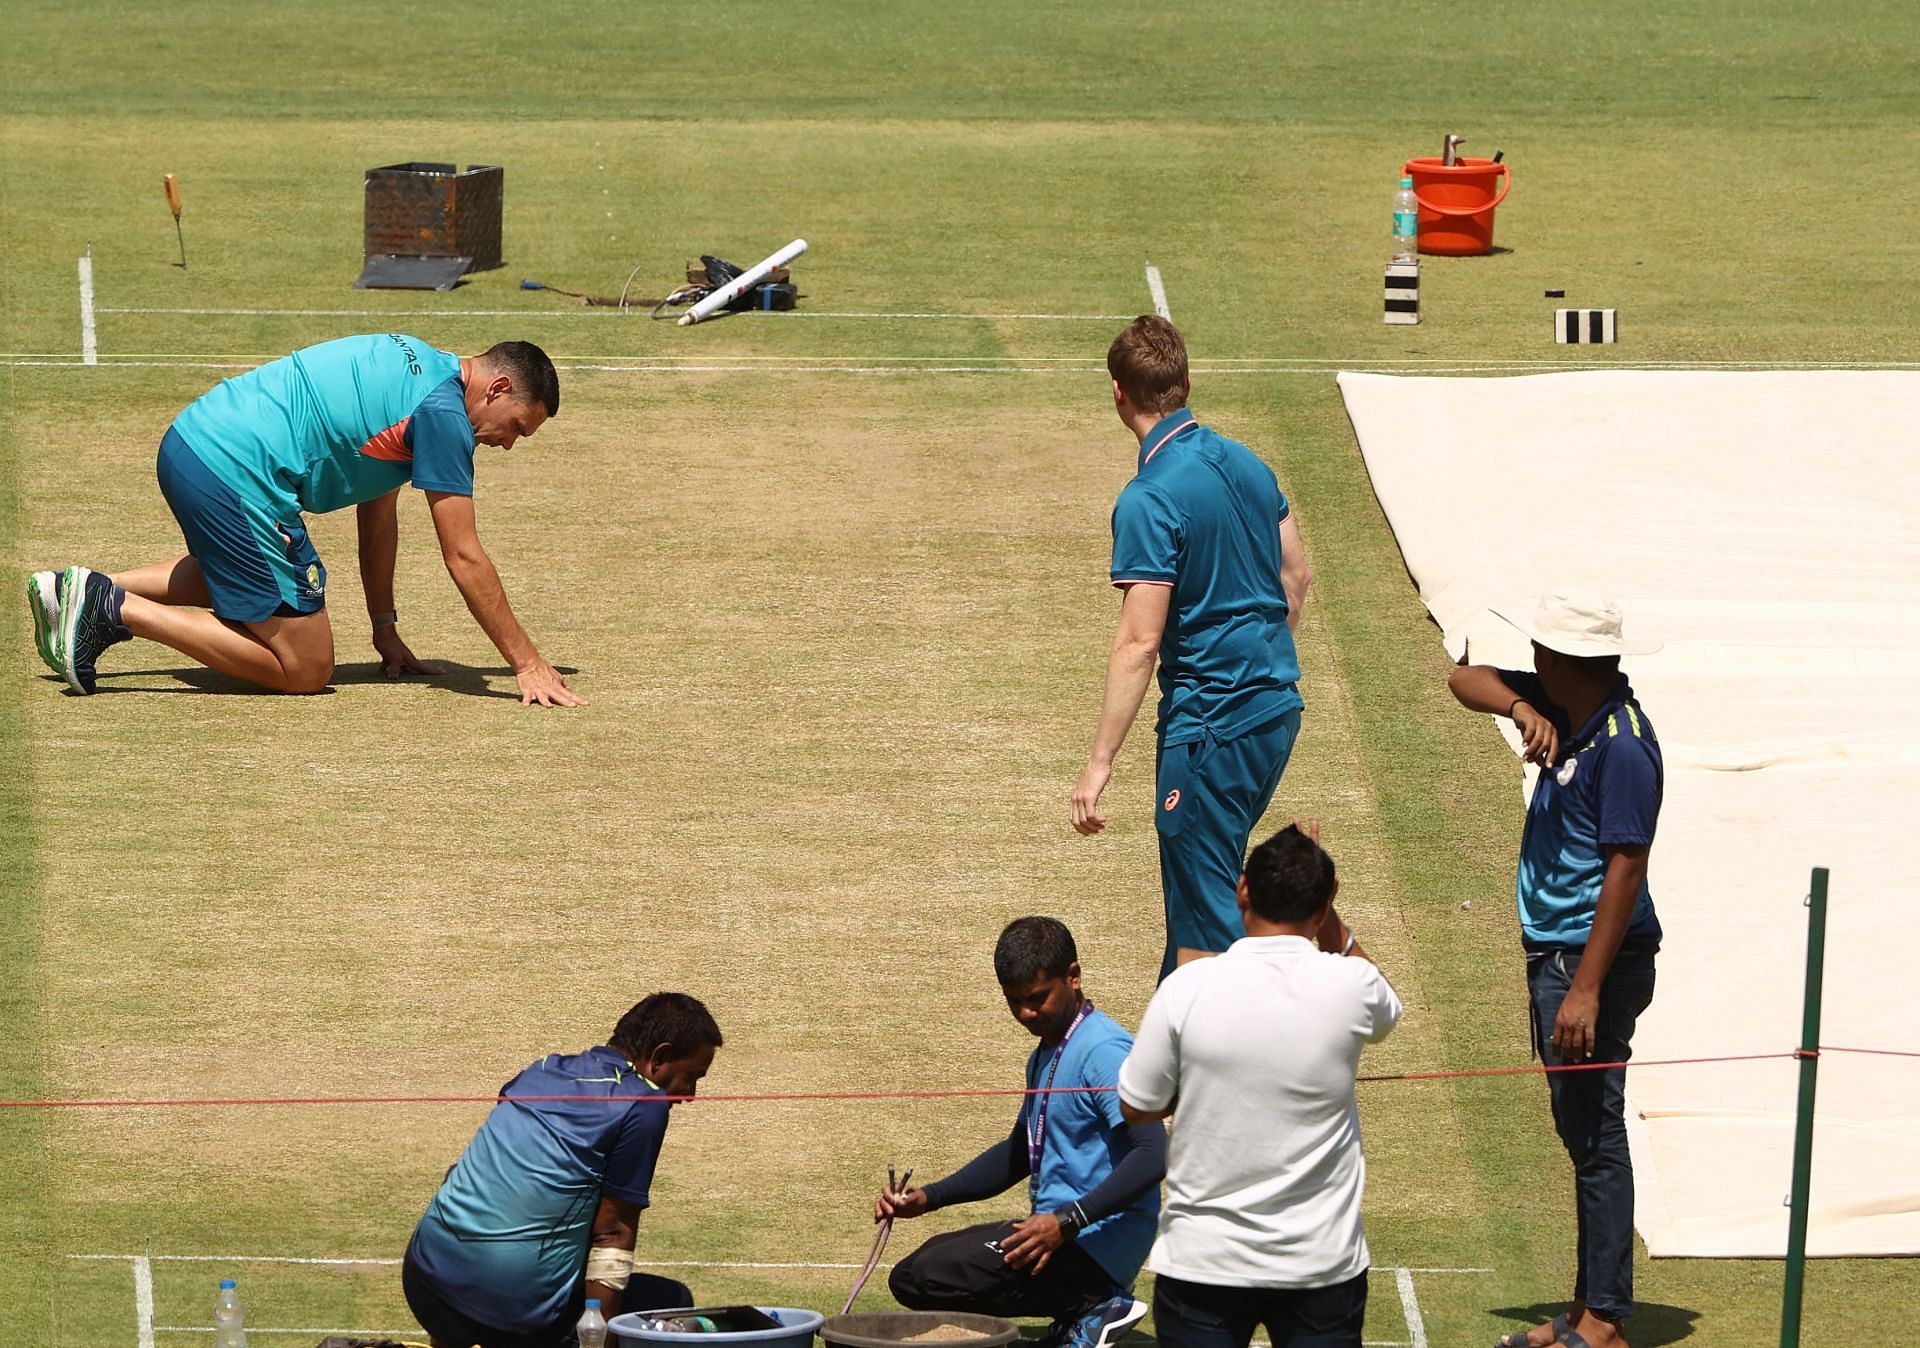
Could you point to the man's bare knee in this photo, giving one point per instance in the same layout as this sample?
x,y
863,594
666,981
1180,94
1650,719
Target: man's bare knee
x,y
308,676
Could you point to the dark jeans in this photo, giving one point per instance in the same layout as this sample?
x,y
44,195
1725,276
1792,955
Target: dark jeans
x,y
1200,1315
448,1325
1589,1113
965,1271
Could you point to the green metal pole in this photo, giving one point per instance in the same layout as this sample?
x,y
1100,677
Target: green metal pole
x,y
1809,1056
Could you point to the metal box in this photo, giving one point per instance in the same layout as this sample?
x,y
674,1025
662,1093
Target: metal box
x,y
430,210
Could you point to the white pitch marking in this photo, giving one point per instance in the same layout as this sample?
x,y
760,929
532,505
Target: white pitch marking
x,y
1416,1325
1157,288
89,338
142,1259
323,1333
601,312
143,1299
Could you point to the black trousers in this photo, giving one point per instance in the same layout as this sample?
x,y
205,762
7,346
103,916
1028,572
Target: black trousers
x,y
1197,1315
448,1324
966,1271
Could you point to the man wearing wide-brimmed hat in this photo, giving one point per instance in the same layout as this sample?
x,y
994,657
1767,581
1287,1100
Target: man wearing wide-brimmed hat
x,y
1586,916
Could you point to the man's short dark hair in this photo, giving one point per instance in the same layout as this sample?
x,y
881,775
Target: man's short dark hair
x,y
532,373
1033,947
1148,360
680,1022
1289,877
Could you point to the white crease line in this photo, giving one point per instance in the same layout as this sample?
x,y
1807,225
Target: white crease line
x,y
323,1333
1416,1326
140,1259
143,1300
1158,289
89,336
603,312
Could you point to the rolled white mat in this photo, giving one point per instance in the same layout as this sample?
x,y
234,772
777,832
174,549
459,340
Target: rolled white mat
x,y
742,283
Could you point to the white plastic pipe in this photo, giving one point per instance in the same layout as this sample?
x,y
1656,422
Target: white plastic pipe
x,y
742,283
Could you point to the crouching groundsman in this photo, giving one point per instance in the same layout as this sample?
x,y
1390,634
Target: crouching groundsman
x,y
1093,1178
541,1210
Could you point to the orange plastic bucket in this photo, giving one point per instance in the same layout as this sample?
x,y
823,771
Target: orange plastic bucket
x,y
1456,203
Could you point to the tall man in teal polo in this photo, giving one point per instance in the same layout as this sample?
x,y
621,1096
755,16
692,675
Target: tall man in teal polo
x,y
344,423
1207,557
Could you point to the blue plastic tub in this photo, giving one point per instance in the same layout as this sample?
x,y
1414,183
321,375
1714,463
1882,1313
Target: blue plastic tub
x,y
797,1328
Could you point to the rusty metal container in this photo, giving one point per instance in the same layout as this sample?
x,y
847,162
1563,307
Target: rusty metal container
x,y
430,210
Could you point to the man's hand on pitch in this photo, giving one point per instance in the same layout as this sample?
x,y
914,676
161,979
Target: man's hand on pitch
x,y
395,658
540,682
1541,740
1083,807
1033,1242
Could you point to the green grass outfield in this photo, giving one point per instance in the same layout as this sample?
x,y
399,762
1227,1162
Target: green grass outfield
x,y
843,631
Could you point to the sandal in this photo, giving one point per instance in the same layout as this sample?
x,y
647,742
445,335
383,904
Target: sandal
x,y
1559,1328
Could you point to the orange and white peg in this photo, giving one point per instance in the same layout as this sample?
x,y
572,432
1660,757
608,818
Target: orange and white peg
x,y
173,204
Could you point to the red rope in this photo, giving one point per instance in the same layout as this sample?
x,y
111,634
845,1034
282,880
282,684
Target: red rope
x,y
1877,1052
1529,1069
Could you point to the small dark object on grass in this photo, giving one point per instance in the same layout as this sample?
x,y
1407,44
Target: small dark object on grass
x,y
1556,294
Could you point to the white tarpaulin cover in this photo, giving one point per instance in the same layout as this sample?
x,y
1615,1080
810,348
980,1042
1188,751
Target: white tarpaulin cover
x,y
1764,526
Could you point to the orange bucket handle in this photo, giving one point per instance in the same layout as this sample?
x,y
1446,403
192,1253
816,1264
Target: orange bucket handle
x,y
1426,205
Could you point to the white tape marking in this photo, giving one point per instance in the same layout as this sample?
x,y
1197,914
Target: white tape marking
x,y
1416,1326
143,1299
1157,288
89,339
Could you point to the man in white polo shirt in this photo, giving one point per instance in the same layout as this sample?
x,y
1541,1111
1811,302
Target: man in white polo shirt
x,y
1253,1055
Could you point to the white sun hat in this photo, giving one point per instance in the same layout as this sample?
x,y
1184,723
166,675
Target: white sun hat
x,y
1578,622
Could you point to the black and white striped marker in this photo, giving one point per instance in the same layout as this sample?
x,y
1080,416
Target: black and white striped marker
x,y
1580,326
1403,292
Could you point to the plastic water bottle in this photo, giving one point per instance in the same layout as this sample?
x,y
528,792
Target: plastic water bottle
x,y
229,1330
592,1329
1406,223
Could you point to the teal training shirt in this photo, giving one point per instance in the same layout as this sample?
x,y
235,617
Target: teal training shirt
x,y
1085,1137
506,1237
336,424
1203,516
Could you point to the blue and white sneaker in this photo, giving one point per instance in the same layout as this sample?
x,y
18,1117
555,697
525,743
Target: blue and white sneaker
x,y
1106,1324
89,623
43,600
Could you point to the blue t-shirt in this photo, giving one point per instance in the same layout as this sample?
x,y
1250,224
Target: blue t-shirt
x,y
336,424
1085,1137
506,1237
1604,790
1203,515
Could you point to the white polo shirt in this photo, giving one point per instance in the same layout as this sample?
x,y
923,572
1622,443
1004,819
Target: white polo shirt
x,y
1260,1047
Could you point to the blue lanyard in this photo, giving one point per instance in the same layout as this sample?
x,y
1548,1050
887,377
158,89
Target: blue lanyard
x,y
1037,1114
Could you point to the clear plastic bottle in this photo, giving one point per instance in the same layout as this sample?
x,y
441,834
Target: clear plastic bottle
x,y
229,1327
1406,223
592,1329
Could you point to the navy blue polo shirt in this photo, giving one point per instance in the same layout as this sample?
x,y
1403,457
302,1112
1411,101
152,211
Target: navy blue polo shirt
x,y
1604,790
1203,515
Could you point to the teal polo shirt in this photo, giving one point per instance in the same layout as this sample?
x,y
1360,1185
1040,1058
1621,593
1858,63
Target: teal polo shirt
x,y
336,424
1202,515
1603,791
505,1239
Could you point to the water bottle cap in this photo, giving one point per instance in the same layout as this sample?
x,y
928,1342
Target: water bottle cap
x,y
226,1282
1406,182
594,1302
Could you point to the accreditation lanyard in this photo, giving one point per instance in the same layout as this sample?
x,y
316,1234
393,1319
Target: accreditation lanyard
x,y
1037,1115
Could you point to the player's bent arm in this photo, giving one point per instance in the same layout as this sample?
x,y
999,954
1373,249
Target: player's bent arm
x,y
479,583
616,1227
1295,574
1480,688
